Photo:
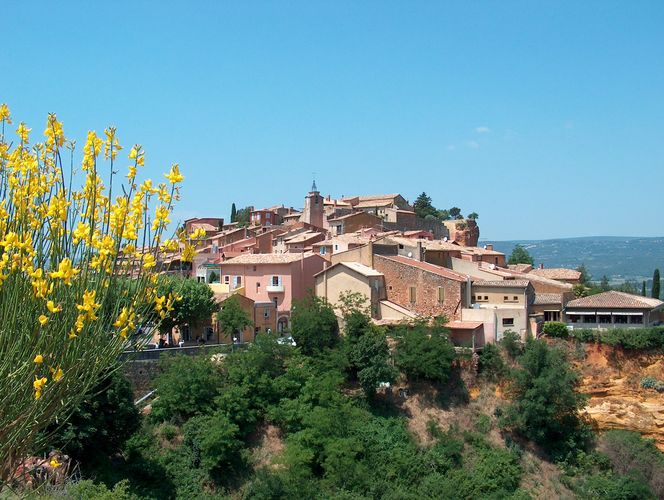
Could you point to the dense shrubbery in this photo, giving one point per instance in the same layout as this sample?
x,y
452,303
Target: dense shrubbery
x,y
555,329
201,438
424,352
545,407
627,338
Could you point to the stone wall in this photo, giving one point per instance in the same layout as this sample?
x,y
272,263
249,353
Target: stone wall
x,y
141,374
400,277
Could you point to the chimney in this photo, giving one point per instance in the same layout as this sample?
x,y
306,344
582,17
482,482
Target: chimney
x,y
541,266
489,246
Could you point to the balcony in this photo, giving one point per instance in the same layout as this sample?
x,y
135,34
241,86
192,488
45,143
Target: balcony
x,y
275,288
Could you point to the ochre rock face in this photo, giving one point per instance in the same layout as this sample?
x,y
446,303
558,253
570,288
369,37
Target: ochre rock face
x,y
467,234
612,378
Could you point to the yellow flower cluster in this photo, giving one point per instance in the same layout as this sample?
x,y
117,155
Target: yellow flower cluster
x,y
70,248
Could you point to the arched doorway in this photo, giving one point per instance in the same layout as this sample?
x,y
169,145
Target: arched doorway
x,y
282,324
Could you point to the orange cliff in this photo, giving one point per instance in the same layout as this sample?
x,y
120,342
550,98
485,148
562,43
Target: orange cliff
x,y
611,376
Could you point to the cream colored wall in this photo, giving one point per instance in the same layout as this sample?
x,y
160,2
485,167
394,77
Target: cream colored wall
x,y
470,268
341,279
362,254
497,295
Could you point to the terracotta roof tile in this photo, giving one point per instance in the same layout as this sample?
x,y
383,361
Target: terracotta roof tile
x,y
615,300
557,273
545,299
425,266
502,283
268,258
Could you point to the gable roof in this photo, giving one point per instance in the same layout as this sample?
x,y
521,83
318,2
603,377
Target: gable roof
x,y
545,299
269,258
615,300
425,266
502,283
354,266
559,273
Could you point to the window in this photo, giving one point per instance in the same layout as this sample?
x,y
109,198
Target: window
x,y
636,319
336,247
276,281
339,229
486,297
441,295
254,268
227,279
506,298
516,299
323,250
258,287
400,246
266,313
412,294
508,321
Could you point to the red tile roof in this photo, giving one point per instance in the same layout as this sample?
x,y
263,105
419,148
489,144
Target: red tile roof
x,y
615,300
557,273
425,266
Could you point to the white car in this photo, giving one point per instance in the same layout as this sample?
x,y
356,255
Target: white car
x,y
286,341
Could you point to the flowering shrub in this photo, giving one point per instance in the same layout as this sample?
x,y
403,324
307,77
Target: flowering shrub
x,y
77,271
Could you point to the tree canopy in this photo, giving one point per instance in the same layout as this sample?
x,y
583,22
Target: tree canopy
x,y
314,324
520,256
232,318
196,303
655,284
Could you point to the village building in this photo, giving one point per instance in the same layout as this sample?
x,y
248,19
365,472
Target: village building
x,y
277,278
571,276
501,305
614,310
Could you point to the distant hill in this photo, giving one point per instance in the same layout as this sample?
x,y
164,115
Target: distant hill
x,y
620,258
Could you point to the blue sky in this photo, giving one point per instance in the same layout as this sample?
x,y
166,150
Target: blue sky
x,y
546,118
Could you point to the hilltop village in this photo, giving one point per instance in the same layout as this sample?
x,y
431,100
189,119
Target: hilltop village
x,y
405,267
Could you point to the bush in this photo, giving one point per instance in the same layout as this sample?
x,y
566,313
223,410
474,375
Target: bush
x,y
101,424
186,388
88,489
314,325
423,356
555,329
213,443
546,405
511,343
492,367
632,455
67,307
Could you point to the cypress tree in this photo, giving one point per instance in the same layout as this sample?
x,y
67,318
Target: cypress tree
x,y
655,284
643,289
233,213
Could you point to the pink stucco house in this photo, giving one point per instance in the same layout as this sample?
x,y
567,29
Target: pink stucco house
x,y
278,278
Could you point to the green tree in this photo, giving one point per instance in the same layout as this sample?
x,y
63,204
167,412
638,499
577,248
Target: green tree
x,y
604,284
644,293
424,352
545,404
314,325
443,214
243,216
455,213
101,424
232,318
186,387
655,284
555,329
214,277
473,216
423,206
585,277
233,213
214,444
197,303
520,255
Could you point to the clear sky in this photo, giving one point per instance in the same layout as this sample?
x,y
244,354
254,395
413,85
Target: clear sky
x,y
545,117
